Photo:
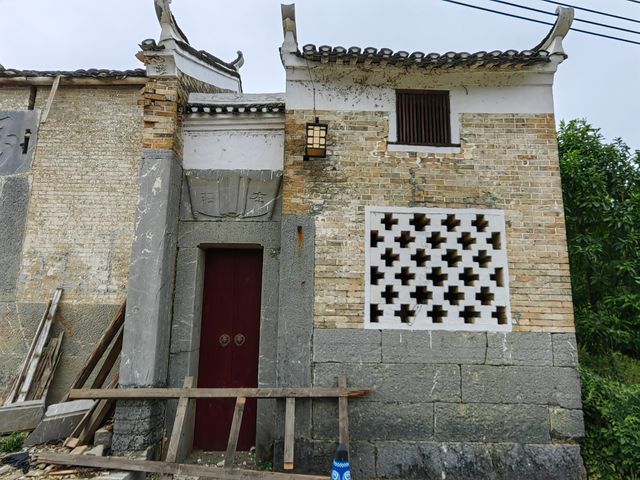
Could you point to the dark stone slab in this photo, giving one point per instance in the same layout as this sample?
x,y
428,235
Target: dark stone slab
x,y
346,345
565,350
14,200
15,126
480,422
369,421
411,383
534,385
433,347
474,461
519,348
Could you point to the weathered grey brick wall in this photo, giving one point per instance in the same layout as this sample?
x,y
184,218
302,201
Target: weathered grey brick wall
x,y
79,203
469,405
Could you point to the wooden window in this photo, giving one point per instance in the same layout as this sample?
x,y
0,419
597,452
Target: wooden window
x,y
423,117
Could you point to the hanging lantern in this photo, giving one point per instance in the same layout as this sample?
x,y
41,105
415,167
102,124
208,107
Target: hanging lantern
x,y
316,140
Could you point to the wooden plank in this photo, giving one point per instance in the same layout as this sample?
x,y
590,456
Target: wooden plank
x,y
178,424
23,370
343,414
47,375
131,465
156,393
289,428
52,94
109,362
37,352
94,416
236,423
99,348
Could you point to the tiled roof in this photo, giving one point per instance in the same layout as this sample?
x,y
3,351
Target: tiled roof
x,y
209,59
221,103
386,56
91,73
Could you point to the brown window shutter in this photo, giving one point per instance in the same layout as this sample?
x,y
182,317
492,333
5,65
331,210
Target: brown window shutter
x,y
423,117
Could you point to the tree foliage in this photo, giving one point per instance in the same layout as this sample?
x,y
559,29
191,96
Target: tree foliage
x,y
601,192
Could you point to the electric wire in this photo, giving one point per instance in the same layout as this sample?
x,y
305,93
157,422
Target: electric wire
x,y
591,11
576,19
541,21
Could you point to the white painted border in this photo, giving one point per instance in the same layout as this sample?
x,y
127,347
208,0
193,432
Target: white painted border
x,y
367,273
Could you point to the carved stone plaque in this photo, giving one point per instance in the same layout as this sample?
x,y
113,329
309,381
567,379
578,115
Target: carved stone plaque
x,y
233,194
18,133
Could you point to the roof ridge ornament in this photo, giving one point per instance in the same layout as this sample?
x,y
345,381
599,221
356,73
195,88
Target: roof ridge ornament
x,y
290,44
170,28
552,43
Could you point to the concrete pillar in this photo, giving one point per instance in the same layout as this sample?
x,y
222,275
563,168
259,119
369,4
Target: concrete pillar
x,y
145,352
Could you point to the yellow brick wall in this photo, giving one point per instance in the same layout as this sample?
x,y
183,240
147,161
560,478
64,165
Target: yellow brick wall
x,y
14,98
508,162
83,196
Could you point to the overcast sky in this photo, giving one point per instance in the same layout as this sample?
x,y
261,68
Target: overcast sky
x,y
599,81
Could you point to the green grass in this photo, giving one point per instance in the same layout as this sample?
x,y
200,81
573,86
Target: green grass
x,y
13,442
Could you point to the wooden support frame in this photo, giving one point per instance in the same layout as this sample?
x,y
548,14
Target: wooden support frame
x,y
173,450
52,94
236,423
159,393
289,431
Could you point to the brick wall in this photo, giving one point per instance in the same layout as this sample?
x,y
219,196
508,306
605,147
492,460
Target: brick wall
x,y
508,162
14,98
83,196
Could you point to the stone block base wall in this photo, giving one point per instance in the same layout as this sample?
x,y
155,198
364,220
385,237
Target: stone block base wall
x,y
450,405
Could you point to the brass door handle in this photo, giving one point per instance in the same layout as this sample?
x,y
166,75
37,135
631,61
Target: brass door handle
x,y
239,339
224,340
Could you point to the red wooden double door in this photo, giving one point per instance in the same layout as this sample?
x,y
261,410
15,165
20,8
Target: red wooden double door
x,y
229,343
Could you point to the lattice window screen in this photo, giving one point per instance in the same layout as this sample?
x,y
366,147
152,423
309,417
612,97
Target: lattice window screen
x,y
436,269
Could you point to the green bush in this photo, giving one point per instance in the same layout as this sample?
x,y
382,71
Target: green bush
x,y
12,443
611,447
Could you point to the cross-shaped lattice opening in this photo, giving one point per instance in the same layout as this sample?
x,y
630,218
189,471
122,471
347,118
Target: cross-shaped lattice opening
x,y
482,259
405,313
389,257
469,277
389,294
422,295
389,221
451,222
496,241
485,296
480,223
420,221
469,314
375,276
466,240
437,314
405,239
375,238
374,313
453,295
498,277
500,314
452,257
405,275
435,240
420,257
437,277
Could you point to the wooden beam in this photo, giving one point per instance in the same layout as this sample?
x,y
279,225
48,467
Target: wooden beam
x,y
289,430
74,81
120,463
178,424
343,414
236,423
52,94
37,352
25,365
99,348
109,362
158,393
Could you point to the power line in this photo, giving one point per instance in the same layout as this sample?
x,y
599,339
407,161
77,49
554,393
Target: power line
x,y
540,21
592,11
577,19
